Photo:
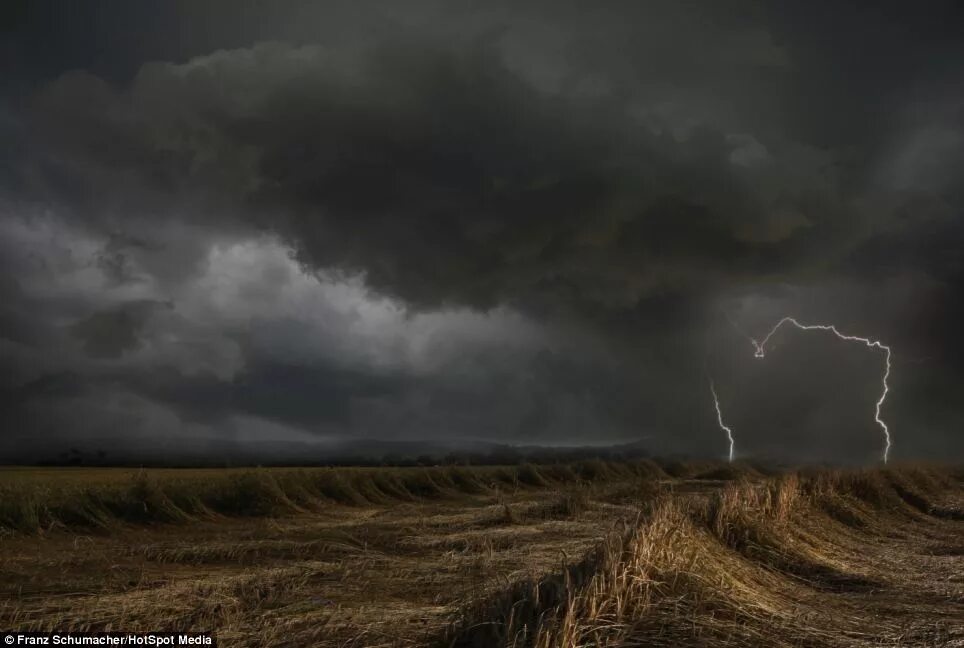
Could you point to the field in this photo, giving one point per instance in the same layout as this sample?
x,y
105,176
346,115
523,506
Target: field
x,y
586,554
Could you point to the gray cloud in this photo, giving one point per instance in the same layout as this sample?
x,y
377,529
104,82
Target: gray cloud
x,y
410,158
112,332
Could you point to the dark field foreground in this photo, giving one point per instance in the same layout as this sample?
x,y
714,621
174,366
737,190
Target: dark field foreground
x,y
588,554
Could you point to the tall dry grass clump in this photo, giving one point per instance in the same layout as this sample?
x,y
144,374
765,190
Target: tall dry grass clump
x,y
649,585
720,571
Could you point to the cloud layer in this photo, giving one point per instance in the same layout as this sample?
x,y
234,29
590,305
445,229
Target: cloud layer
x,y
494,223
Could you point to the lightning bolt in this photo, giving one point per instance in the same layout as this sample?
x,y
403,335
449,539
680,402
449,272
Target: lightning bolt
x,y
761,352
719,417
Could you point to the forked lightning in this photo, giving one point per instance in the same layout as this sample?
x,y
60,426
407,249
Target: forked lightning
x,y
760,352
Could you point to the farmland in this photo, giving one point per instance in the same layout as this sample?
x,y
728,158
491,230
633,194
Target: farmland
x,y
589,553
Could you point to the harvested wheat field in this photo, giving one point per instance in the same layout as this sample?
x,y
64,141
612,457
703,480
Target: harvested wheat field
x,y
588,554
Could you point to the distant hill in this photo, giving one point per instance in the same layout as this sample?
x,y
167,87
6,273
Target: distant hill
x,y
221,452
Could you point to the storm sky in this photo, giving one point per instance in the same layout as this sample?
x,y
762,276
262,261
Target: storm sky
x,y
463,221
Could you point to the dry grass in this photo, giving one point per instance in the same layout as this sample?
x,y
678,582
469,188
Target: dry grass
x,y
588,554
755,564
52,498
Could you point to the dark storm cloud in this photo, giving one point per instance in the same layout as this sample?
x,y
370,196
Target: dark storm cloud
x,y
111,332
412,158
616,174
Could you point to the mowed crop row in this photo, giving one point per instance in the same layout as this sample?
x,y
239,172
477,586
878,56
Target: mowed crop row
x,y
870,558
315,557
104,497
